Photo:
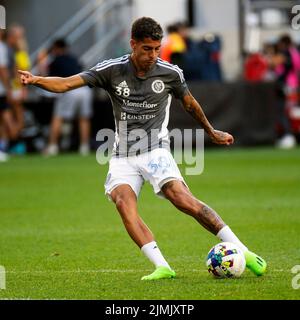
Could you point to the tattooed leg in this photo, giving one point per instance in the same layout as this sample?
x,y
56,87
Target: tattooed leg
x,y
182,199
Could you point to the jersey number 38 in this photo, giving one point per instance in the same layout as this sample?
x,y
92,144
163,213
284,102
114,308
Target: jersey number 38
x,y
120,91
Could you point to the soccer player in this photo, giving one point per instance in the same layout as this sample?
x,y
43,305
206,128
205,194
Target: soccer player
x,y
140,86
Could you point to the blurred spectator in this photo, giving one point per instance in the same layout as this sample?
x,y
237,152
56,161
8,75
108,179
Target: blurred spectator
x,y
272,58
42,62
289,72
280,63
8,130
192,59
286,65
200,60
174,46
19,60
210,47
256,67
73,103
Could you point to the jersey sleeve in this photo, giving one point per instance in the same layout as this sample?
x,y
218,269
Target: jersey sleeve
x,y
178,84
98,76
3,56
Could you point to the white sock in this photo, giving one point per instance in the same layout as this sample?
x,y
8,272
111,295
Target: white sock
x,y
52,149
226,235
152,252
84,149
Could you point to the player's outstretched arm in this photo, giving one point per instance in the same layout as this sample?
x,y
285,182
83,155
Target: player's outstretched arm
x,y
193,107
53,84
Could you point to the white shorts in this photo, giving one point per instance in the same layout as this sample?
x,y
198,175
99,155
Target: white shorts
x,y
158,167
77,102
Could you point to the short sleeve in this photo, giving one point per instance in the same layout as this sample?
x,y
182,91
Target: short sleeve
x,y
3,56
98,76
178,84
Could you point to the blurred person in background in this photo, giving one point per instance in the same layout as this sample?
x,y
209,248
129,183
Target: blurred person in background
x,y
69,104
256,67
210,47
19,59
42,62
174,46
8,129
285,63
180,49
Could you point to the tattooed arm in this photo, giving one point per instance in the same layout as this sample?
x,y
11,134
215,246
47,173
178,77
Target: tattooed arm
x,y
193,107
53,84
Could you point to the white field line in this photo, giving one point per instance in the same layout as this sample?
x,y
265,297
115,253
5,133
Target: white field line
x,y
106,271
75,271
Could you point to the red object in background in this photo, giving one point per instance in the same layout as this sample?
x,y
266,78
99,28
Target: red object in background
x,y
255,68
293,109
215,56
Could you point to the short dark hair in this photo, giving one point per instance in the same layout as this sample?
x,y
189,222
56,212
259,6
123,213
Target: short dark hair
x,y
60,43
286,40
146,27
172,28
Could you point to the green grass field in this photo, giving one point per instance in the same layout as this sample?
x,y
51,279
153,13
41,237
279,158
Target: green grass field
x,y
60,238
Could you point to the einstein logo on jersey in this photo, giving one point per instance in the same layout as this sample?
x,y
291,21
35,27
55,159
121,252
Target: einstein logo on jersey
x,y
158,86
122,89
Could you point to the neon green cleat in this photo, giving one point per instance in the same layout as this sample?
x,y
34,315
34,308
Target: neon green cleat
x,y
255,263
160,273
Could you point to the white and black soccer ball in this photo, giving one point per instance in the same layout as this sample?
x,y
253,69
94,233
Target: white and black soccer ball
x,y
226,260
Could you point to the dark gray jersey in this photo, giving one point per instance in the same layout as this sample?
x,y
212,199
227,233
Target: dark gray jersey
x,y
141,105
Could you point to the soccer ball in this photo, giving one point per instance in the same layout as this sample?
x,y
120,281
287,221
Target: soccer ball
x,y
226,260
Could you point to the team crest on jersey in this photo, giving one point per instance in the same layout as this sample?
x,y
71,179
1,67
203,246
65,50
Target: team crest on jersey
x,y
158,86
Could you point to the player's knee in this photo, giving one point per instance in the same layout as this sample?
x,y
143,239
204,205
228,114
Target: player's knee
x,y
124,204
128,215
183,201
121,203
178,198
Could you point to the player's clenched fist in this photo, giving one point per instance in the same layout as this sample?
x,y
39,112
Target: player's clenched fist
x,y
220,137
26,77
